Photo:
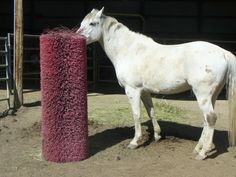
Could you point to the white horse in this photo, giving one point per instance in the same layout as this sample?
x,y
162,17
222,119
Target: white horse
x,y
143,67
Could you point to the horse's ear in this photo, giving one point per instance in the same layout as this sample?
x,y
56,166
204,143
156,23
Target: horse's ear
x,y
92,11
99,14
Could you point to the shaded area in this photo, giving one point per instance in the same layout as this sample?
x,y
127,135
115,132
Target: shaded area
x,y
114,88
188,132
8,112
111,137
108,138
33,104
5,113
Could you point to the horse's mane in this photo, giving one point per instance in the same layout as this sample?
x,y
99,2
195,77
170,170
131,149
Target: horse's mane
x,y
112,24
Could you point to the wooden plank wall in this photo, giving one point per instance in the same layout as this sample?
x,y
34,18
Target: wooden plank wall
x,y
172,19
163,18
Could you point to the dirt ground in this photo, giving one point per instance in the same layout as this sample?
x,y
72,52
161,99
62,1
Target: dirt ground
x,y
110,131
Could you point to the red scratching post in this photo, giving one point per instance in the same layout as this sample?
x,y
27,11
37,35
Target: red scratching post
x,y
64,96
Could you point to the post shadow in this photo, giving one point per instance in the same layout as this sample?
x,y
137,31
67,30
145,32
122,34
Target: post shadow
x,y
32,104
109,138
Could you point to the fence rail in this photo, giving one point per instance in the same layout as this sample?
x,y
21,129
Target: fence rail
x,y
5,67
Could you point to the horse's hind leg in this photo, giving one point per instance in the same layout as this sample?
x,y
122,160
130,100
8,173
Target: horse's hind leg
x,y
199,146
147,101
134,99
205,143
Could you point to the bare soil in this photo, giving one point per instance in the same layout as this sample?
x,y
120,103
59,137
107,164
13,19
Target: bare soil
x,y
109,135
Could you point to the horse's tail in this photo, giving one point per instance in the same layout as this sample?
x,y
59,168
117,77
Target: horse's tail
x,y
232,97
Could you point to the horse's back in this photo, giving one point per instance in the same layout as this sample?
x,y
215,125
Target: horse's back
x,y
171,69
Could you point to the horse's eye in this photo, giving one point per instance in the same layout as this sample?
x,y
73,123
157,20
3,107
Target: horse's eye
x,y
93,24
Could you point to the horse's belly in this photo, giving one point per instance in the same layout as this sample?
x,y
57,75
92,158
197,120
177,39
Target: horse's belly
x,y
174,87
167,79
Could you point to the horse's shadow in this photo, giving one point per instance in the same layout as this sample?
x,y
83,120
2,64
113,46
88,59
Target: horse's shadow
x,y
111,137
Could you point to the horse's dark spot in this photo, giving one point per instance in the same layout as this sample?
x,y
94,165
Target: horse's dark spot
x,y
118,26
204,101
211,119
207,69
110,25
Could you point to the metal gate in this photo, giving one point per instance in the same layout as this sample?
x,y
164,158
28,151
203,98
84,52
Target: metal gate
x,y
5,73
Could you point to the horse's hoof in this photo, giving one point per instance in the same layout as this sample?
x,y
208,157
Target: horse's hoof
x,y
157,138
195,152
132,146
200,157
212,147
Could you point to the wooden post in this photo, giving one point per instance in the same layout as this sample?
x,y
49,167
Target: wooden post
x,y
18,67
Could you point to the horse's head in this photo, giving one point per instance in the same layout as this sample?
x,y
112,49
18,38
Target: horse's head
x,y
91,26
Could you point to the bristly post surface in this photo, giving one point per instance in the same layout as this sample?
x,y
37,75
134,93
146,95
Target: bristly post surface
x,y
63,62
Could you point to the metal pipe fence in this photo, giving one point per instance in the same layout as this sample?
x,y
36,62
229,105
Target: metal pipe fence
x,y
5,70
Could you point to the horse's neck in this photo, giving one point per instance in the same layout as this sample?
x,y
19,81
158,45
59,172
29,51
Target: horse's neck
x,y
113,38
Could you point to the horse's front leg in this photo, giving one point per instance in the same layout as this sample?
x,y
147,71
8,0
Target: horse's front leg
x,y
147,101
134,99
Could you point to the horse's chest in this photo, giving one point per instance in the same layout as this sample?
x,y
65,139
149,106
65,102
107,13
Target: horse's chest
x,y
128,76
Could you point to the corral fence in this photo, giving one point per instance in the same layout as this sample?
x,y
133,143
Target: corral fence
x,y
5,70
